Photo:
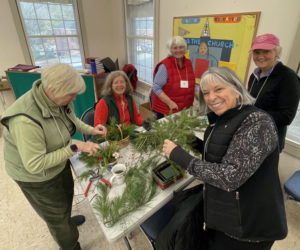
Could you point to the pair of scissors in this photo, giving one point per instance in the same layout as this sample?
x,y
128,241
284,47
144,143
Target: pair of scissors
x,y
95,176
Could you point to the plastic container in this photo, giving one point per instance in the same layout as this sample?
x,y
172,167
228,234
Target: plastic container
x,y
93,66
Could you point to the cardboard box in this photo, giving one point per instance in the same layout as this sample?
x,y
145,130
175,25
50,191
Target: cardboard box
x,y
4,85
145,110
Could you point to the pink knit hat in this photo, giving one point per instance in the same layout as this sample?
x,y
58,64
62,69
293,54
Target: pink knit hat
x,y
266,41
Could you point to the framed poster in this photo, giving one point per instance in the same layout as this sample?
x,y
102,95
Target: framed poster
x,y
218,40
298,70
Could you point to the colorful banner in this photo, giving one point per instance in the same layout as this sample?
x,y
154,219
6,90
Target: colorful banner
x,y
218,40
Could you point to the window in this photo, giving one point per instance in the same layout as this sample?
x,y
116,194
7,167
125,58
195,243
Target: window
x,y
140,34
52,31
293,133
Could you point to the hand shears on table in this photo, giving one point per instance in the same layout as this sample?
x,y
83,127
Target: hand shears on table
x,y
95,176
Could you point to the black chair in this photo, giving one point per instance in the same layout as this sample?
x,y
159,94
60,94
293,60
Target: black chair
x,y
88,118
109,65
292,186
156,223
117,64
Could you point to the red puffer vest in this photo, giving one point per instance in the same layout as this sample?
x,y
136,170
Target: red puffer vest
x,y
183,97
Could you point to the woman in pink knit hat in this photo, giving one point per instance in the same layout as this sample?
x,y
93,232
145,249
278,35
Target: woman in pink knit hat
x,y
275,86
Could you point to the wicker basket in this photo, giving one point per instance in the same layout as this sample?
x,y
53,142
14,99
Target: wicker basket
x,y
123,142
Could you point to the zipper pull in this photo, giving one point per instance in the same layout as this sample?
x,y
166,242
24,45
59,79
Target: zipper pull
x,y
204,226
237,195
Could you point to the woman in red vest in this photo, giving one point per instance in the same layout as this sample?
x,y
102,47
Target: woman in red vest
x,y
174,80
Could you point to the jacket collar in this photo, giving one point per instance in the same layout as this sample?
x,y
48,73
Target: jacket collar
x,y
272,71
46,106
176,63
227,115
118,98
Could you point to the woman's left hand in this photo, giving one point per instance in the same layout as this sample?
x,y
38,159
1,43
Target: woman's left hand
x,y
88,147
168,147
99,130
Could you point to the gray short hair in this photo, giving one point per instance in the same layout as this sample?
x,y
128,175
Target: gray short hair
x,y
62,79
278,50
178,41
227,76
107,89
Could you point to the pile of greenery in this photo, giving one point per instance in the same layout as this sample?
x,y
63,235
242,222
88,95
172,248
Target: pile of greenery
x,y
140,188
103,156
177,128
117,132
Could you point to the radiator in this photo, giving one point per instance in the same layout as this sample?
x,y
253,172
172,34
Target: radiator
x,y
141,95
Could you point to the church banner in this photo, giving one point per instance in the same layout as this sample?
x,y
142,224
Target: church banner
x,y
218,40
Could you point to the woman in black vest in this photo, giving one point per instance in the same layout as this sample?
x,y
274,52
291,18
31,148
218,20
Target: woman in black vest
x,y
243,201
117,101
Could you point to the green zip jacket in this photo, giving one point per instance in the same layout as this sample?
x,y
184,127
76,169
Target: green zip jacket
x,y
37,136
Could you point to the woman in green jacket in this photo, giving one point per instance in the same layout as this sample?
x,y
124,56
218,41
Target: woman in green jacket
x,y
37,146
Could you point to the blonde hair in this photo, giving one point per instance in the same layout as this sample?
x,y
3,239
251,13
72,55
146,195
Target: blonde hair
x,y
226,76
178,41
62,79
107,88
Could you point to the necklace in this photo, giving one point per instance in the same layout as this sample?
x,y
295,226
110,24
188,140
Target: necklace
x,y
123,108
57,126
179,72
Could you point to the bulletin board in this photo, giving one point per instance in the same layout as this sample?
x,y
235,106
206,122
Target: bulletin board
x,y
218,40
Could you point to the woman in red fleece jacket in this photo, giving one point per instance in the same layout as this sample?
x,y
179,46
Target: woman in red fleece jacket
x,y
117,101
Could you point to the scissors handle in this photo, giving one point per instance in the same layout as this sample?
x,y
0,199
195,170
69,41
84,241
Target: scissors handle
x,y
87,189
106,182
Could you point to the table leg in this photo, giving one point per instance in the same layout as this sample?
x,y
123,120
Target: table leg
x,y
127,243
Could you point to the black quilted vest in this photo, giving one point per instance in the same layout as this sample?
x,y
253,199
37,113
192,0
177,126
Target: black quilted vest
x,y
255,211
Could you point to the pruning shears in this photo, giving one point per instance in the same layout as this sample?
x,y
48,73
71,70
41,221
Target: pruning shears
x,y
95,176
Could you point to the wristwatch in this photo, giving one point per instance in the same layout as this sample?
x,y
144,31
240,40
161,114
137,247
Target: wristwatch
x,y
74,148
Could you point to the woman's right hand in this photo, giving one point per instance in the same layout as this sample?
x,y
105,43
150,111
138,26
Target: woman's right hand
x,y
168,147
167,100
88,147
172,105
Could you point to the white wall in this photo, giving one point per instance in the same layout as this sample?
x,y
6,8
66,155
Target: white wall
x,y
105,28
10,47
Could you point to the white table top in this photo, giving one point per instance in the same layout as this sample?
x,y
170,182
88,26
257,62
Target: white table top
x,y
132,220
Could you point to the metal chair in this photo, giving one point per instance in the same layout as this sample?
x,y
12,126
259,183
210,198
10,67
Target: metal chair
x,y
88,118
